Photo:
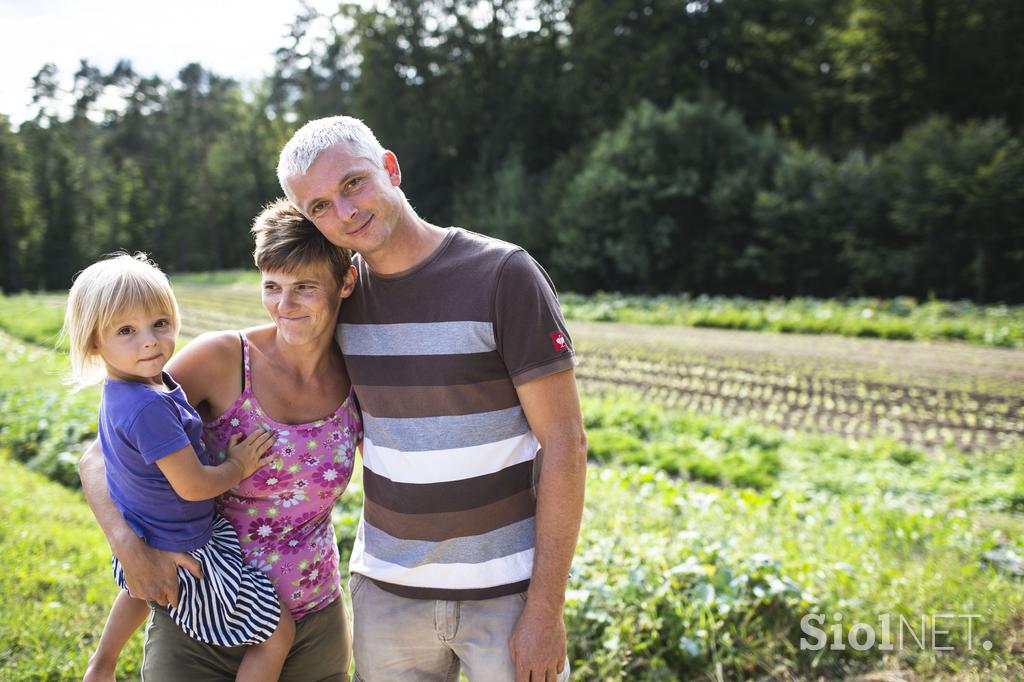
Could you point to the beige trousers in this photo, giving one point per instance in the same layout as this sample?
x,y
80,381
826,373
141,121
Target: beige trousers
x,y
428,640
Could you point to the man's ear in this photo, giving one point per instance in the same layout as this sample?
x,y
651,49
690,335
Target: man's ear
x,y
348,283
392,168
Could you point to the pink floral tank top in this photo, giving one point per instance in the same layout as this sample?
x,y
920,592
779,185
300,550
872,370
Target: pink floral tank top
x,y
282,513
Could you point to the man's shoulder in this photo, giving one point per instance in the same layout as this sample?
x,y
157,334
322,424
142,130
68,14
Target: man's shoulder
x,y
473,245
460,247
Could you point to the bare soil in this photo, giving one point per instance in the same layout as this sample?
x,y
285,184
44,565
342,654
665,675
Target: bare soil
x,y
924,393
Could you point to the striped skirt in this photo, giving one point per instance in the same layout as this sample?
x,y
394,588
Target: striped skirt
x,y
233,605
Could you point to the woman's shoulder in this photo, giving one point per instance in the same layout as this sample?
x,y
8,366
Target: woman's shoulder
x,y
221,342
218,346
208,361
208,350
260,336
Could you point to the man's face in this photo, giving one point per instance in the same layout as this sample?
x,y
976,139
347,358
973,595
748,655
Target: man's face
x,y
353,201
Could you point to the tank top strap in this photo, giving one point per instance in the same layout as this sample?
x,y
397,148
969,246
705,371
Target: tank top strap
x,y
354,412
246,367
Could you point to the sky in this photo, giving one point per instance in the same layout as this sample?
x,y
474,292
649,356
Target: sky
x,y
235,38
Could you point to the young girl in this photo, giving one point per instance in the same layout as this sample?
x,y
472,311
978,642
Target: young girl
x,y
122,322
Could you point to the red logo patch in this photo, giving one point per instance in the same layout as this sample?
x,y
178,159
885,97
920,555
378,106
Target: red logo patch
x,y
559,342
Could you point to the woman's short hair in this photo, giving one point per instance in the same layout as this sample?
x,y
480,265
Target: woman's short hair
x,y
286,241
99,295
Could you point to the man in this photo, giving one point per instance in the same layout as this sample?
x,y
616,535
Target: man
x,y
462,365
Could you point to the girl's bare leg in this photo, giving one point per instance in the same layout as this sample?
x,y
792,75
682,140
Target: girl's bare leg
x,y
264,661
126,615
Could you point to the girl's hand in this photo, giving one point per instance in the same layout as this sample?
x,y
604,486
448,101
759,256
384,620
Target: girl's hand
x,y
246,452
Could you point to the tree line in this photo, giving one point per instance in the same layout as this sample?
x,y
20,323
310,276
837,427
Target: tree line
x,y
762,147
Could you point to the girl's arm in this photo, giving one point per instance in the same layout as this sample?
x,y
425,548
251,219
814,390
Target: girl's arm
x,y
195,481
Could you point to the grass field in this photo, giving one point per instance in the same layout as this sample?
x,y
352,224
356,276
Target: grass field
x,y
56,583
707,537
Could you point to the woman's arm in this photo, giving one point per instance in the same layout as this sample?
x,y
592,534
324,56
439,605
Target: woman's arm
x,y
150,573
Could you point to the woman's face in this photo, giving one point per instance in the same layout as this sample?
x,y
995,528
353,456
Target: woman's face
x,y
304,304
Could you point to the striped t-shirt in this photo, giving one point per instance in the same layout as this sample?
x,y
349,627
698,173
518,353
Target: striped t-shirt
x,y
435,354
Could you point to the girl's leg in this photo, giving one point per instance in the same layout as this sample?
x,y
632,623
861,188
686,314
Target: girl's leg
x,y
264,661
126,615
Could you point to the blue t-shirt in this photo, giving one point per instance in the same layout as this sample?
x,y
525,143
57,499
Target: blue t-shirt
x,y
138,425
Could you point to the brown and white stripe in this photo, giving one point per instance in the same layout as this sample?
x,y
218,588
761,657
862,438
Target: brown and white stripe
x,y
435,355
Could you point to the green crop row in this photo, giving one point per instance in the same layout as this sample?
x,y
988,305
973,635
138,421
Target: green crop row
x,y
626,431
44,426
898,319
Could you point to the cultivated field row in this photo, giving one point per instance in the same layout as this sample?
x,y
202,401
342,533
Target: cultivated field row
x,y
924,394
922,415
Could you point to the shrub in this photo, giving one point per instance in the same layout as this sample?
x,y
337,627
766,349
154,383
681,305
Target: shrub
x,y
658,199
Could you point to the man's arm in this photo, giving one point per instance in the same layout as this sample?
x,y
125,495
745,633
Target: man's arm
x,y
552,407
150,573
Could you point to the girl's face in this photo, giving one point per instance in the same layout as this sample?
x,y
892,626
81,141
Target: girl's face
x,y
304,304
137,346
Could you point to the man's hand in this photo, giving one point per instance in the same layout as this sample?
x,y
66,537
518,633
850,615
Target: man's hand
x,y
552,408
152,574
538,643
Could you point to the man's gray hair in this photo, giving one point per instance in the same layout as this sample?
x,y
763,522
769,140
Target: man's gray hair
x,y
320,134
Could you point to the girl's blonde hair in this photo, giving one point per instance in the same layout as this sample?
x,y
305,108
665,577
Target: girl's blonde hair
x,y
101,293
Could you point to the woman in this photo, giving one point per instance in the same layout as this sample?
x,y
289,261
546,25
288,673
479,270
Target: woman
x,y
288,377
